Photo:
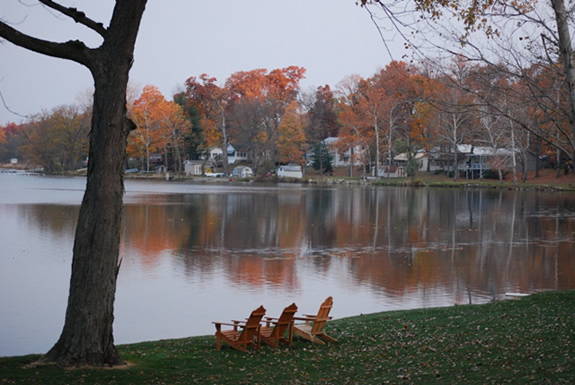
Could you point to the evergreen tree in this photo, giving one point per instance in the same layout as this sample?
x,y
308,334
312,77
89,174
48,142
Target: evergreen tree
x,y
321,159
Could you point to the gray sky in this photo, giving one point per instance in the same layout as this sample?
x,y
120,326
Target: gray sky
x,y
332,39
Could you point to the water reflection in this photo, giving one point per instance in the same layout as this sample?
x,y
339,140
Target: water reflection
x,y
187,247
395,239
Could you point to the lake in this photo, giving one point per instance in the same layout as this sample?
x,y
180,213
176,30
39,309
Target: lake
x,y
193,253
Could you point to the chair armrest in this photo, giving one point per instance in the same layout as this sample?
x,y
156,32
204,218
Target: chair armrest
x,y
277,322
270,320
228,324
235,325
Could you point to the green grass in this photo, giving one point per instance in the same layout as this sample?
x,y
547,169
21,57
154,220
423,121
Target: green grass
x,y
526,341
433,181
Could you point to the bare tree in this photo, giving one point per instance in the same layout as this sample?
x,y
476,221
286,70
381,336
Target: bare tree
x,y
515,35
87,336
322,119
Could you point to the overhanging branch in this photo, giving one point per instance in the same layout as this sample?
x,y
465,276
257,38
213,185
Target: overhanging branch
x,y
72,50
78,16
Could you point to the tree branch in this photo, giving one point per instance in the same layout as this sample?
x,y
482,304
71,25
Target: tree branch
x,y
77,16
72,50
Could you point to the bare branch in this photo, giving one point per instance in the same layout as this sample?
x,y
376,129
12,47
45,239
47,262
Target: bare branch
x,y
78,16
8,108
71,50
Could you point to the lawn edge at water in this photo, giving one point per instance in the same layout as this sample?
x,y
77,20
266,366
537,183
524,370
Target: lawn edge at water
x,y
528,340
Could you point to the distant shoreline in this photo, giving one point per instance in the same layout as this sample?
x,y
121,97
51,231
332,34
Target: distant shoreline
x,y
547,181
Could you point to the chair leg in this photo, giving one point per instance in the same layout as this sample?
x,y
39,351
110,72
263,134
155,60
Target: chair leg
x,y
259,338
327,338
308,337
218,342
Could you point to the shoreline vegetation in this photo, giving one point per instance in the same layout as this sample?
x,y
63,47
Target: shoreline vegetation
x,y
529,340
548,180
547,183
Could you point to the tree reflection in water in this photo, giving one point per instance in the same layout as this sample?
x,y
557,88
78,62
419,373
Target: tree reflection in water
x,y
188,246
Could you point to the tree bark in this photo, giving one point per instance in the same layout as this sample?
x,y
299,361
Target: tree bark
x,y
87,336
566,52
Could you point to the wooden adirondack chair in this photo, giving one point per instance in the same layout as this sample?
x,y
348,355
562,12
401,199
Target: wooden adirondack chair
x,y
243,332
272,335
314,324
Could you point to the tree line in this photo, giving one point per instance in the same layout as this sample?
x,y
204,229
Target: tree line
x,y
402,108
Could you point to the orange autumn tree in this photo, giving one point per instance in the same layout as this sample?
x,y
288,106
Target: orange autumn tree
x,y
2,135
161,127
174,128
406,100
11,143
142,141
211,101
352,133
56,139
384,114
258,102
373,107
292,142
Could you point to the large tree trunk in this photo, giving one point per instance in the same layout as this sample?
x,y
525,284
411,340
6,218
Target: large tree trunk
x,y
87,337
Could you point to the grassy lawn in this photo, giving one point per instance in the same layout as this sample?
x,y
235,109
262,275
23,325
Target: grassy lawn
x,y
526,341
547,180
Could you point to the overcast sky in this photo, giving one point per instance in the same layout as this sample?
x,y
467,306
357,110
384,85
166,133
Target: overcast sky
x,y
332,39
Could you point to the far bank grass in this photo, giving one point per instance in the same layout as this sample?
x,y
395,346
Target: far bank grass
x,y
439,181
526,341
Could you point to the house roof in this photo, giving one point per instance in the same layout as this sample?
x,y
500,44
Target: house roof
x,y
330,140
469,150
403,156
291,168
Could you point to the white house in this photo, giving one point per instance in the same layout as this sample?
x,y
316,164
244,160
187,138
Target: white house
x,y
474,161
290,171
421,158
242,172
234,155
392,172
345,158
193,167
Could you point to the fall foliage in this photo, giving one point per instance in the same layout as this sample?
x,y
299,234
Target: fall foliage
x,y
292,143
161,127
401,109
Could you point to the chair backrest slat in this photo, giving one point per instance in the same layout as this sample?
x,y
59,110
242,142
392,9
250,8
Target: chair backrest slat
x,y
252,323
322,315
287,315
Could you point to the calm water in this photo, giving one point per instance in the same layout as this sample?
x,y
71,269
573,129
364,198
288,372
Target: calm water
x,y
197,253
